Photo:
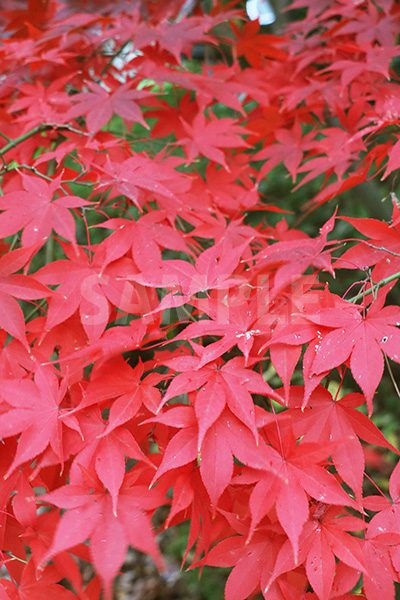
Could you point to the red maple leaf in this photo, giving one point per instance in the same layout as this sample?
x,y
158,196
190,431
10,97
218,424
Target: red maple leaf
x,y
291,475
175,37
394,159
327,420
291,258
34,210
224,439
362,338
323,538
214,269
12,286
90,514
87,284
210,137
380,250
36,587
252,562
289,149
133,175
239,324
385,525
144,238
32,409
98,105
218,387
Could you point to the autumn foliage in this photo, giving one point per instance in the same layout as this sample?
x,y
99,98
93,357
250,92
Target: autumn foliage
x,y
169,335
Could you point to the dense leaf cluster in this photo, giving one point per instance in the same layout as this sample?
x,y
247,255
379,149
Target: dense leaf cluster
x,y
169,338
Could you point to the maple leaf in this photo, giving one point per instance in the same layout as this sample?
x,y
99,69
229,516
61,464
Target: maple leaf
x,y
43,104
34,587
144,238
338,148
363,339
106,448
230,385
380,575
34,411
327,420
98,105
114,341
394,159
90,514
256,47
88,284
265,491
38,423
207,137
324,538
238,326
286,329
130,391
23,505
290,476
371,25
385,524
291,258
225,86
376,60
34,210
251,561
380,249
223,189
289,149
139,173
176,37
224,439
12,286
212,270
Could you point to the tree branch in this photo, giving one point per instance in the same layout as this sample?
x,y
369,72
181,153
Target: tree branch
x,y
375,287
25,136
38,129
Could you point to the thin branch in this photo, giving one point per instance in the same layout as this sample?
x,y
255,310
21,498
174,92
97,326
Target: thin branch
x,y
32,132
383,249
18,140
36,172
391,375
375,287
